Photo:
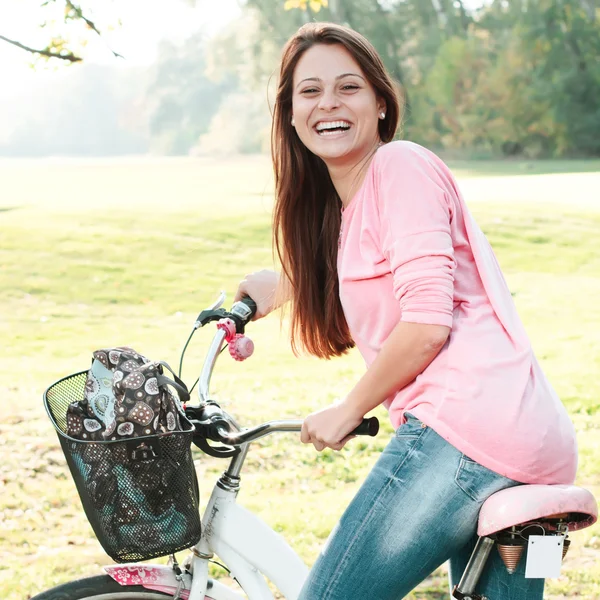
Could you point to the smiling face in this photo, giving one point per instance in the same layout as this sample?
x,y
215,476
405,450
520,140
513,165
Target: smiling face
x,y
336,110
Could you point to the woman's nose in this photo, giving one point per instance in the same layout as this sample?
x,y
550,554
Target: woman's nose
x,y
329,100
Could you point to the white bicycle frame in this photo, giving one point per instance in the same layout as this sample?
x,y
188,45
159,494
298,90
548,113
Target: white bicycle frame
x,y
249,548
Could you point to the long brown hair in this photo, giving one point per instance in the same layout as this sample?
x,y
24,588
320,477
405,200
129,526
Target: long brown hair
x,y
306,221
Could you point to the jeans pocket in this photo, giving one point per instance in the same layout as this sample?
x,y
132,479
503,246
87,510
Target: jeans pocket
x,y
479,482
413,427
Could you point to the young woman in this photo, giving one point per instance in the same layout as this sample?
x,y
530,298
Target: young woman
x,y
379,250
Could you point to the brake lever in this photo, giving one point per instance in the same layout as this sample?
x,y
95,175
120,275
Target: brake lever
x,y
208,315
212,313
218,302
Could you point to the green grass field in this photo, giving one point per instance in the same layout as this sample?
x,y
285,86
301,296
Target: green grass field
x,y
103,253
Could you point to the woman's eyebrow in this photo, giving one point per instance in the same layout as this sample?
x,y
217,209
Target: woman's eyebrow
x,y
337,78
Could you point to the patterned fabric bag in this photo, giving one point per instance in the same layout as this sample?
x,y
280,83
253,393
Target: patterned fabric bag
x,y
126,395
127,442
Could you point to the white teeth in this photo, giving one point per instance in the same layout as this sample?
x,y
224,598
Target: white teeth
x,y
332,125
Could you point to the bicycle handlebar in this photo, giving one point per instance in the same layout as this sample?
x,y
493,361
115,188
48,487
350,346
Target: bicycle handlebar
x,y
215,424
367,427
225,436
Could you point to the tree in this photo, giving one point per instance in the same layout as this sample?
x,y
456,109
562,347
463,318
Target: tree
x,y
504,76
62,43
182,98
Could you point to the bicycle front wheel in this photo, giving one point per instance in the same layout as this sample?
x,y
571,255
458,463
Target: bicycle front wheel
x,y
103,587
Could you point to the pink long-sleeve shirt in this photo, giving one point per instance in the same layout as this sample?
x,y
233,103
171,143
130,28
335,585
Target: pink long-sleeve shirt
x,y
410,251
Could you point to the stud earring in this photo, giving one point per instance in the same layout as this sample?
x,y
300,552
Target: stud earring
x,y
293,122
382,115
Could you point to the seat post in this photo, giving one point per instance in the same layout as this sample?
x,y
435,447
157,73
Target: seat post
x,y
465,590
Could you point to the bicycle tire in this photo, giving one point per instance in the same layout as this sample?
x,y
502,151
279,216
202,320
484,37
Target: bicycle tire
x,y
102,587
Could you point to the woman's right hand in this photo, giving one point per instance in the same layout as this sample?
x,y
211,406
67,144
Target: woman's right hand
x,y
261,286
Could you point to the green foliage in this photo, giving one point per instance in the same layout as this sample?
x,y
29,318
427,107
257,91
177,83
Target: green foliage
x,y
314,5
241,126
242,122
183,99
476,98
498,78
565,44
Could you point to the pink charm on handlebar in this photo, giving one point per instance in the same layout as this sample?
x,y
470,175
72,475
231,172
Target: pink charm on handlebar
x,y
228,326
241,347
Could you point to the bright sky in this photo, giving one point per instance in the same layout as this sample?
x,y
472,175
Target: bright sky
x,y
144,24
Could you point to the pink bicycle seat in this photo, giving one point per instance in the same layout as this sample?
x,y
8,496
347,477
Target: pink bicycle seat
x,y
524,503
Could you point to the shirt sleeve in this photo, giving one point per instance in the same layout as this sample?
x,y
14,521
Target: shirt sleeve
x,y
415,214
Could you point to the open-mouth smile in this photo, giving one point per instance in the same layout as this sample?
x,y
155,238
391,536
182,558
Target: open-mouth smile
x,y
332,128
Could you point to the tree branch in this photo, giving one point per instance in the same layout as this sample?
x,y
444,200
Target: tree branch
x,y
77,10
68,57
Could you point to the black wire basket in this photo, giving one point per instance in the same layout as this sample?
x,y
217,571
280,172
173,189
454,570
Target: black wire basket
x,y
140,495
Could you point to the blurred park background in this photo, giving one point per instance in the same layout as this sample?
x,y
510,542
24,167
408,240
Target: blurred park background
x,y
480,78
135,183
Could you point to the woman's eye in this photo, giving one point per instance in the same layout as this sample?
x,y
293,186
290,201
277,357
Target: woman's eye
x,y
347,88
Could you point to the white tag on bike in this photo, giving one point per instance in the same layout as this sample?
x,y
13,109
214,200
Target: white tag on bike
x,y
544,556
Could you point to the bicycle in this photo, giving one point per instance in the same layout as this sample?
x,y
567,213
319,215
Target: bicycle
x,y
250,550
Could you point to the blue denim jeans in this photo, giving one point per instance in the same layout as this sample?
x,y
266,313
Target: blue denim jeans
x,y
417,509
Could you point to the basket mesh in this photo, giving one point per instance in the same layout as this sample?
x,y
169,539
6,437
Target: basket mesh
x,y
140,495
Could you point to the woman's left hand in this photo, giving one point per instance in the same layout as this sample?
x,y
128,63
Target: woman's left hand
x,y
331,426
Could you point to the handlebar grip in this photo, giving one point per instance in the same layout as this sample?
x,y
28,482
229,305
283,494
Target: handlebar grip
x,y
367,427
243,312
251,305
